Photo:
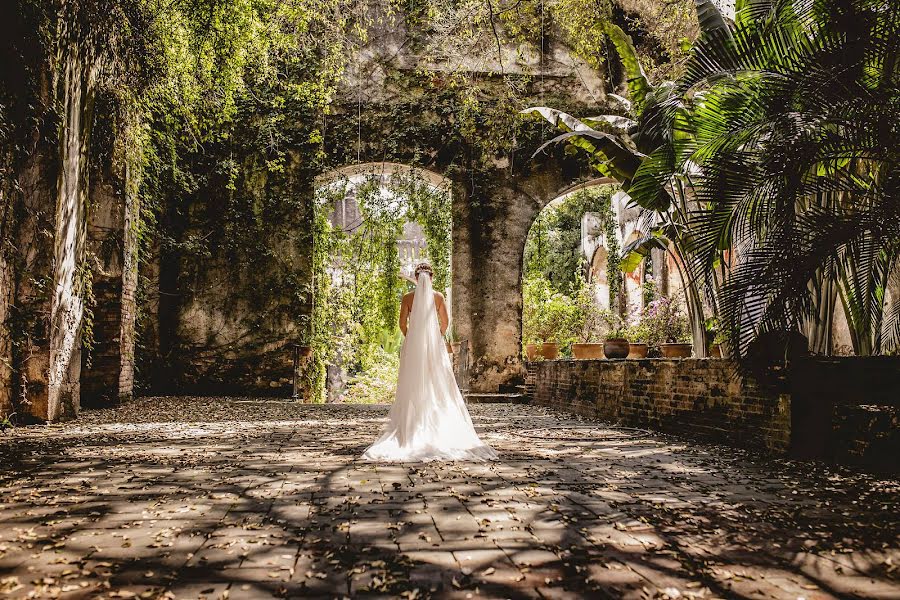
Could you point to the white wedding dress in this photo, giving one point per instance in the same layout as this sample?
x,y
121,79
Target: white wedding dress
x,y
428,420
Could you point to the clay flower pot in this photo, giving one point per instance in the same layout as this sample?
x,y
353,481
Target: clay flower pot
x,y
616,348
532,351
715,351
449,347
587,351
676,350
638,350
549,350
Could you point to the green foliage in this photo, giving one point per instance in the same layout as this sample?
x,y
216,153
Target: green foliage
x,y
553,245
592,320
614,325
6,422
662,321
558,304
376,384
548,315
782,128
358,284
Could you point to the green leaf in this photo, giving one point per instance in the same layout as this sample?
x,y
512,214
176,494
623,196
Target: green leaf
x,y
631,261
712,24
638,85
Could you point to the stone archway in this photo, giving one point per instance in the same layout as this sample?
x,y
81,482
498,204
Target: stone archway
x,y
223,321
375,223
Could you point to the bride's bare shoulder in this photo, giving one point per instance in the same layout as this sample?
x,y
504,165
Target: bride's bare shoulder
x,y
408,297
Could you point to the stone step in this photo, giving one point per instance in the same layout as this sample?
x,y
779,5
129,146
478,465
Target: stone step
x,y
496,398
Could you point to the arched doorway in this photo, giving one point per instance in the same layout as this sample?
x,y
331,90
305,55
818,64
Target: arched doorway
x,y
570,266
373,223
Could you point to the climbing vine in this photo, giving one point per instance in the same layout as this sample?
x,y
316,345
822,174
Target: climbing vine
x,y
357,271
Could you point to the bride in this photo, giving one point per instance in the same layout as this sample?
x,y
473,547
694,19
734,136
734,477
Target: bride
x,y
428,420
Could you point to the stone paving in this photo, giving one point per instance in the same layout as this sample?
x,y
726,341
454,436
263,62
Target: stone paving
x,y
228,498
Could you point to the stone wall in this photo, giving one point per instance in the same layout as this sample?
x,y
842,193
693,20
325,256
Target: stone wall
x,y
839,409
108,368
490,225
232,306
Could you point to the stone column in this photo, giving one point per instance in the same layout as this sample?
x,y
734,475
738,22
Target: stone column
x,y
108,369
6,357
491,219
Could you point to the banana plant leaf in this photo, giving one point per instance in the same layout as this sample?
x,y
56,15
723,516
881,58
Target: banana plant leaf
x,y
639,249
611,155
639,87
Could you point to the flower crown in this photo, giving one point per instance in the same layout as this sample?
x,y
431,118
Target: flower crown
x,y
423,267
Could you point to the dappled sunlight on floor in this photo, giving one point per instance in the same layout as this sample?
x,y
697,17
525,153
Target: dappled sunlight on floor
x,y
238,498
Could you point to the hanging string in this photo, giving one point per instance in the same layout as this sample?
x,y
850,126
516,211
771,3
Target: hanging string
x,y
541,57
359,88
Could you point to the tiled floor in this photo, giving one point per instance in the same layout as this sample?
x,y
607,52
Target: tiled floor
x,y
216,498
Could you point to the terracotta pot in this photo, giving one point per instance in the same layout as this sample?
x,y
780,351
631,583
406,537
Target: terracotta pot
x,y
456,346
587,351
616,348
676,350
715,351
550,350
304,351
532,351
449,347
638,350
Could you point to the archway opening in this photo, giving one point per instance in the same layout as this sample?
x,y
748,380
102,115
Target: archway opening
x,y
373,224
577,287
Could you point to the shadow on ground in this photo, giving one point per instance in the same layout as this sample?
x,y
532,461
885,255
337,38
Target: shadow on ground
x,y
189,498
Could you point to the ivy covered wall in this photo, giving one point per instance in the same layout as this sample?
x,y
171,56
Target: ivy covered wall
x,y
220,116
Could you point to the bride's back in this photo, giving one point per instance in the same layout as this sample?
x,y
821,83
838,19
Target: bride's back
x,y
440,307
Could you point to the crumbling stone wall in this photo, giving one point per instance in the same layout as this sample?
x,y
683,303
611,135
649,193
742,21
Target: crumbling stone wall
x,y
490,226
230,312
112,254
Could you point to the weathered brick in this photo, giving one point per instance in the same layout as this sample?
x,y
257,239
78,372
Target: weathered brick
x,y
707,399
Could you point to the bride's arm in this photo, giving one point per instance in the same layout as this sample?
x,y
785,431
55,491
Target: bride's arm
x,y
404,315
443,317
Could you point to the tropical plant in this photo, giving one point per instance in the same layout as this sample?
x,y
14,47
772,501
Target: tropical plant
x,y
664,322
770,167
625,148
787,127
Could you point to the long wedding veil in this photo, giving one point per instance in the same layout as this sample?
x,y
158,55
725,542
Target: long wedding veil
x,y
429,419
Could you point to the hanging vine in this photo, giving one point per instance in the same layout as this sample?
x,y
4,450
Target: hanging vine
x,y
358,269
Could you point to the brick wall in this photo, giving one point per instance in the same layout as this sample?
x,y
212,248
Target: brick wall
x,y
842,409
698,398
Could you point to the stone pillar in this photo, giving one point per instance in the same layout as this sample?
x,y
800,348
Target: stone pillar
x,y
6,356
108,369
48,305
45,240
491,220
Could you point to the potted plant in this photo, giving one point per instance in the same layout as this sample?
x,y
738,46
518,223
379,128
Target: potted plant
x,y
715,335
452,340
668,328
592,329
615,343
638,336
542,344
